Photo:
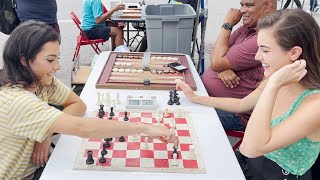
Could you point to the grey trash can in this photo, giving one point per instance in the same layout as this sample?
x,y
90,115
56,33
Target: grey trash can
x,y
169,27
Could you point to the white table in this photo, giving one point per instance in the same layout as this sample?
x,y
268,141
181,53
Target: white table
x,y
219,159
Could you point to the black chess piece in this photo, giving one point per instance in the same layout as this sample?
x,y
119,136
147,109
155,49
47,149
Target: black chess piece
x,y
122,139
107,140
175,151
104,149
90,159
177,101
111,112
125,118
102,159
175,96
101,111
170,101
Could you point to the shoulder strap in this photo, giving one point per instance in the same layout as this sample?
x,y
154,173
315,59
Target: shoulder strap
x,y
300,98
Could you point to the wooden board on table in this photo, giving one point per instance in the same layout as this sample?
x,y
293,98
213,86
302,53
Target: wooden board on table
x,y
164,78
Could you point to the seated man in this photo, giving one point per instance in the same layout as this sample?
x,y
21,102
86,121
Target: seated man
x,y
94,22
233,71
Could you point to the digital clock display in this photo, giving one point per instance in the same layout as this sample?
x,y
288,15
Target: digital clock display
x,y
134,102
147,102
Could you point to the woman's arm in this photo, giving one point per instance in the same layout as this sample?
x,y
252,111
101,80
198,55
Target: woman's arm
x,y
74,105
226,104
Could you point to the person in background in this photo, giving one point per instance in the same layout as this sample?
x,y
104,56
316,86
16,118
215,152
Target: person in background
x,y
44,10
233,71
27,85
282,138
94,22
298,3
314,7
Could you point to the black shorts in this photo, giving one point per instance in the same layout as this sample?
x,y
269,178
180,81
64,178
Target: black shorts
x,y
98,32
262,168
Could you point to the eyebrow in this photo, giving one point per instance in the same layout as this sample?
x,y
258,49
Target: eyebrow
x,y
264,46
52,55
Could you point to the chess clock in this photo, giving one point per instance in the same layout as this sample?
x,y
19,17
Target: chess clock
x,y
141,102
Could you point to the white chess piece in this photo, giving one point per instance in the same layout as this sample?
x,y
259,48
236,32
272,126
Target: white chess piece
x,y
118,99
135,137
159,113
191,151
113,104
179,112
166,113
158,120
107,99
145,145
99,101
174,161
172,127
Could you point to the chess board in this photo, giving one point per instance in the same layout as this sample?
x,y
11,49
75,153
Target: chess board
x,y
121,71
130,155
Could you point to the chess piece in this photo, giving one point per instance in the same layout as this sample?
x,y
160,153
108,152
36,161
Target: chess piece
x,y
172,127
104,149
125,118
113,104
191,151
158,120
107,142
111,112
102,159
122,139
179,112
135,137
118,99
99,96
170,101
175,151
175,97
107,99
166,113
101,111
174,161
90,159
145,145
178,101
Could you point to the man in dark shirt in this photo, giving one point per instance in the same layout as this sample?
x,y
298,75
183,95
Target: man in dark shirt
x,y
43,10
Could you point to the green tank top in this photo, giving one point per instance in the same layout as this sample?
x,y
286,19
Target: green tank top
x,y
296,158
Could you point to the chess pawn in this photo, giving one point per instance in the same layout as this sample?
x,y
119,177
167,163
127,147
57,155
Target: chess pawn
x,y
135,137
145,145
179,112
158,120
174,161
172,127
191,151
166,113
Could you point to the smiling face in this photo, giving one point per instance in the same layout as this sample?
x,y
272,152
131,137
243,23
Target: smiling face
x,y
252,10
270,54
46,62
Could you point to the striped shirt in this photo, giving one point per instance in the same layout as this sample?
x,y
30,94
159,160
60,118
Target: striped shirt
x,y
25,117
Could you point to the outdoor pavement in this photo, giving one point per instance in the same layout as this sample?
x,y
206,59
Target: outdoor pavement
x,y
216,12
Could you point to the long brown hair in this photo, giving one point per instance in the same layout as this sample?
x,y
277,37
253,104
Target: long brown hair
x,y
297,28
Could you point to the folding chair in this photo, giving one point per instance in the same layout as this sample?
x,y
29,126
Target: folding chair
x,y
238,134
82,39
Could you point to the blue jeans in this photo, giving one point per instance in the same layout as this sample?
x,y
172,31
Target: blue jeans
x,y
313,4
230,121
